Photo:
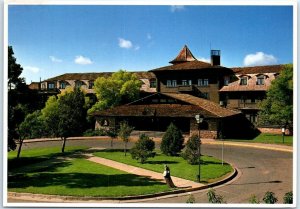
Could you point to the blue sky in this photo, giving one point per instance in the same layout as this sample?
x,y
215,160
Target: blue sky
x,y
52,40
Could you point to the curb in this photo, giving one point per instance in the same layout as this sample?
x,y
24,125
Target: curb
x,y
254,145
138,197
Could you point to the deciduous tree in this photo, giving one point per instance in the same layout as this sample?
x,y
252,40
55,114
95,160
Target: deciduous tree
x,y
124,133
277,108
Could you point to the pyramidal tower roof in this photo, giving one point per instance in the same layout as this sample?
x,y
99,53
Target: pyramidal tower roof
x,y
185,55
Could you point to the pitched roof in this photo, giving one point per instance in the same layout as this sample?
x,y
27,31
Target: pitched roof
x,y
185,55
258,69
94,76
205,104
191,106
150,110
192,65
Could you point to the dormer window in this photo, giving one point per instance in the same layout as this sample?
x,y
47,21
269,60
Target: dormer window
x,y
78,84
91,84
152,83
260,80
244,80
226,80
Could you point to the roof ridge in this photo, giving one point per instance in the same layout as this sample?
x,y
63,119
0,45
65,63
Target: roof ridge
x,y
185,55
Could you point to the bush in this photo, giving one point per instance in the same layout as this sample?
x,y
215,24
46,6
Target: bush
x,y
213,197
172,141
253,199
270,198
191,153
96,132
288,198
191,199
143,149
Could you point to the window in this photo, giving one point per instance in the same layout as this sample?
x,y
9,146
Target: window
x,y
184,82
78,84
203,82
190,82
51,86
91,84
174,83
169,83
226,80
62,85
243,80
260,80
153,83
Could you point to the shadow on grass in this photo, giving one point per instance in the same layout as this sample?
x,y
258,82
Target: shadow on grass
x,y
16,163
78,180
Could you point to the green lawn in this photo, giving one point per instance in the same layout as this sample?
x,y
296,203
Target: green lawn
x,y
268,139
211,168
44,171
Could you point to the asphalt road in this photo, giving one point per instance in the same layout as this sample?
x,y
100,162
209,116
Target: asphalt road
x,y
260,171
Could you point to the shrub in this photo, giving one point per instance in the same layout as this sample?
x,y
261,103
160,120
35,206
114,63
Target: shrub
x,y
143,149
92,132
191,199
213,197
172,141
288,198
253,199
270,198
191,153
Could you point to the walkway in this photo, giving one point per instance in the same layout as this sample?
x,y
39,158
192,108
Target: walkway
x,y
179,182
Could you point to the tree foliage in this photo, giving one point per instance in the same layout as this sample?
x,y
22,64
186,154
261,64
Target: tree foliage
x,y
277,108
191,153
143,149
288,198
124,133
66,116
172,141
269,198
121,87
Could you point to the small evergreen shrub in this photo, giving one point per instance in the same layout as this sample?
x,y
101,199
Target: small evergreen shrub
x,y
191,153
172,141
191,199
270,198
288,198
143,149
213,197
253,199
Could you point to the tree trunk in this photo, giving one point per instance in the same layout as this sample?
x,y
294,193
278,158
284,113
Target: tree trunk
x,y
63,145
111,143
20,148
125,149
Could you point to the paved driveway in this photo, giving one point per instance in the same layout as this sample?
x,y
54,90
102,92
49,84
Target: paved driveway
x,y
260,171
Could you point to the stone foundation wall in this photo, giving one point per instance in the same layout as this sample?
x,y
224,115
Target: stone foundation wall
x,y
273,131
205,134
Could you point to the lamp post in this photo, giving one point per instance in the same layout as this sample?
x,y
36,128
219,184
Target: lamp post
x,y
283,133
199,118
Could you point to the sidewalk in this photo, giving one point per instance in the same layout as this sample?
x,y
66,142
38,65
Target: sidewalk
x,y
179,182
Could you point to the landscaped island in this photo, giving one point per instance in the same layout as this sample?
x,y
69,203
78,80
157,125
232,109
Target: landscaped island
x,y
47,171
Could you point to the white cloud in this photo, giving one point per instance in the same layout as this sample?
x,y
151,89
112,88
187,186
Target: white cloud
x,y
81,60
175,8
54,59
125,43
203,59
31,69
258,59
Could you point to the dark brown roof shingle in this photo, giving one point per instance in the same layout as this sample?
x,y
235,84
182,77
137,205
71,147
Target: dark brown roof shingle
x,y
185,55
258,69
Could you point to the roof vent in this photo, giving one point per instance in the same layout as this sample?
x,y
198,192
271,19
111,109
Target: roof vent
x,y
215,57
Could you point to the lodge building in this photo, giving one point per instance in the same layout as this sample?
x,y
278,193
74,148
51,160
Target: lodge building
x,y
228,98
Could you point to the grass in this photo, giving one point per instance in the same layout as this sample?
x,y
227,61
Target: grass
x,y
268,139
47,171
211,168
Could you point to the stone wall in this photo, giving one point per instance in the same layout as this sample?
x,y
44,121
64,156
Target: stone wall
x,y
274,131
